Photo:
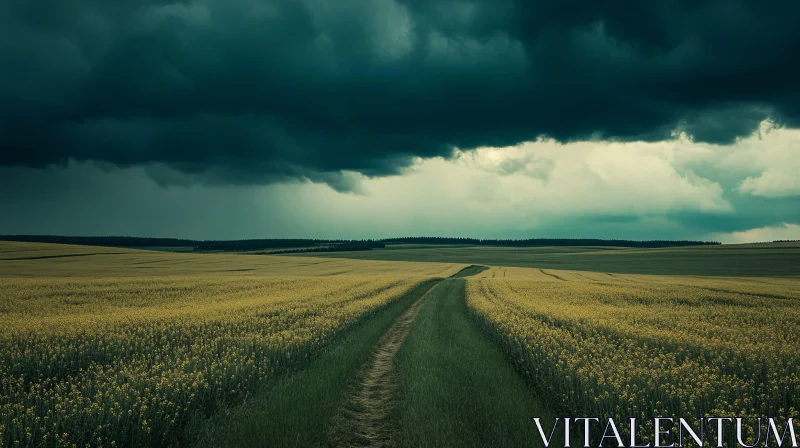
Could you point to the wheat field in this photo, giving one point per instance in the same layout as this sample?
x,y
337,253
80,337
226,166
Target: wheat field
x,y
123,347
648,346
121,358
64,260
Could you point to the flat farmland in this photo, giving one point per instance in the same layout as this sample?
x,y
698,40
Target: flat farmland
x,y
118,347
63,260
643,346
748,260
121,347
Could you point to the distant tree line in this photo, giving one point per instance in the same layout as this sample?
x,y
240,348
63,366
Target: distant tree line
x,y
113,241
301,244
197,245
322,245
245,245
345,247
539,242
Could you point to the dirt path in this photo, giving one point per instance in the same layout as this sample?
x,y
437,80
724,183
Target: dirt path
x,y
364,420
470,271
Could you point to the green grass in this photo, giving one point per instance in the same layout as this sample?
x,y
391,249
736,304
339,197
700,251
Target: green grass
x,y
297,411
455,386
773,259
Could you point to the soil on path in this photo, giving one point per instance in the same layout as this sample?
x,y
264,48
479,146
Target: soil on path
x,y
365,417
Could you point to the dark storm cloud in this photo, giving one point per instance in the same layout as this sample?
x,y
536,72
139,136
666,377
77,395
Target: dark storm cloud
x,y
248,91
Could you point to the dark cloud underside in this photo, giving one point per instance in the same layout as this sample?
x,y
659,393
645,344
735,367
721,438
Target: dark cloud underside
x,y
248,92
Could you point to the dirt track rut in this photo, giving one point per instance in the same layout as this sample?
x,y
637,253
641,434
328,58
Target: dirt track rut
x,y
364,420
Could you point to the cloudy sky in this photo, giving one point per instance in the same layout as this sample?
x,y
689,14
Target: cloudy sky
x,y
217,119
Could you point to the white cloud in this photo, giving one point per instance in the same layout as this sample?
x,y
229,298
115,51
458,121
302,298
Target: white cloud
x,y
543,188
540,185
777,157
769,161
523,189
588,177
773,183
785,231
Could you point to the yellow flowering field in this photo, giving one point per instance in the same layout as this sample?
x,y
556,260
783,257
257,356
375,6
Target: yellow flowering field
x,y
129,361
640,346
65,260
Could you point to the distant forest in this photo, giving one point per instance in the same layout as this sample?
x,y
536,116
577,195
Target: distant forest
x,y
321,245
342,247
112,241
540,242
289,245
